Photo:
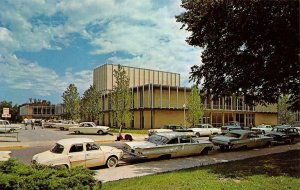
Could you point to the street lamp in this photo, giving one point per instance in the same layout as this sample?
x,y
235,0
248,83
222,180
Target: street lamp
x,y
184,114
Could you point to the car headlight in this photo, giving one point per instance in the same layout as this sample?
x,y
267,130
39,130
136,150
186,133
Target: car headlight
x,y
33,161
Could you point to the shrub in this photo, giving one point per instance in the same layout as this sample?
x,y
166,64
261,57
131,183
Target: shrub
x,y
15,175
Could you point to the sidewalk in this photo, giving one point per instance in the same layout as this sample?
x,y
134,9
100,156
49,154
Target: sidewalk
x,y
154,167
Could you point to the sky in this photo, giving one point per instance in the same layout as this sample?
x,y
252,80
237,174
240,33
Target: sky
x,y
45,45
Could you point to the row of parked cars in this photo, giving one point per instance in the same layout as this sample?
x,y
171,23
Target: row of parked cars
x,y
168,144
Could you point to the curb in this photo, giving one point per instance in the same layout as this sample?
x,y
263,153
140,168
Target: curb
x,y
14,147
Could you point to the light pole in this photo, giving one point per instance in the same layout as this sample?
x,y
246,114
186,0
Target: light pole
x,y
184,114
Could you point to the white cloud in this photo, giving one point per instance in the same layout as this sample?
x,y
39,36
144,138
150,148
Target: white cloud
x,y
145,30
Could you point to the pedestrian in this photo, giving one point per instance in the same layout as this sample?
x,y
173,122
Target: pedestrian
x,y
43,123
32,125
25,123
250,126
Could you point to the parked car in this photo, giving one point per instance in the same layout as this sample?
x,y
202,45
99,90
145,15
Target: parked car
x,y
52,123
262,128
169,145
284,133
170,128
232,125
6,127
241,139
205,130
89,128
65,125
297,126
79,152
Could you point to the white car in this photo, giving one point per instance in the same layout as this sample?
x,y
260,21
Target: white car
x,y
79,152
263,128
65,125
170,128
205,130
6,127
89,128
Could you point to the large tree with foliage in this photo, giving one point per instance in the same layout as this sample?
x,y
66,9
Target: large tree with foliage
x,y
250,47
194,106
121,97
285,116
91,105
71,101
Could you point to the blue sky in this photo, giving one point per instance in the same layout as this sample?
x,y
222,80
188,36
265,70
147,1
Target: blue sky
x,y
46,45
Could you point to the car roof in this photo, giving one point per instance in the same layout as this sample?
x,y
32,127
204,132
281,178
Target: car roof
x,y
171,135
283,126
71,141
241,132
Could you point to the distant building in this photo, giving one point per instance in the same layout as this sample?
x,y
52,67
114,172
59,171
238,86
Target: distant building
x,y
158,99
41,111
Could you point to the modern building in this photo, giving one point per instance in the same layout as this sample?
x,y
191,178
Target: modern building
x,y
159,100
104,80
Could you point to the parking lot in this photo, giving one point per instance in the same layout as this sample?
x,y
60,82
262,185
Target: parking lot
x,y
35,141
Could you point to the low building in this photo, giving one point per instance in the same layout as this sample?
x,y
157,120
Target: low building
x,y
40,111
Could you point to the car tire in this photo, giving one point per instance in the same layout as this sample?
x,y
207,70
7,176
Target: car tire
x,y
268,144
204,151
244,147
112,162
197,135
100,132
61,128
63,166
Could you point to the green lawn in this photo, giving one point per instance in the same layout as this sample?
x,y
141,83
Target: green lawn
x,y
278,172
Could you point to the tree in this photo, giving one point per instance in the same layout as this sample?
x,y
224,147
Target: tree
x,y
71,101
91,105
121,97
251,47
194,106
285,116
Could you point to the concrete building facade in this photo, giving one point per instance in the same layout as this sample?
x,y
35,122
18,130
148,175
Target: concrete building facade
x,y
159,100
104,81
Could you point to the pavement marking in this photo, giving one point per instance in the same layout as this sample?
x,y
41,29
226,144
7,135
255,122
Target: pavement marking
x,y
12,147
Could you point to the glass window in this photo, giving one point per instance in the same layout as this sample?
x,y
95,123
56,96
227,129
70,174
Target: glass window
x,y
58,148
76,148
157,139
173,141
91,146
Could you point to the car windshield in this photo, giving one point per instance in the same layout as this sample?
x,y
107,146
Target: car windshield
x,y
233,135
279,129
58,148
157,139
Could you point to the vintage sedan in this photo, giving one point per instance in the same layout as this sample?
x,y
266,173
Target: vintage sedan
x,y
6,127
284,133
170,128
89,128
79,152
241,139
232,125
262,128
65,125
205,130
168,145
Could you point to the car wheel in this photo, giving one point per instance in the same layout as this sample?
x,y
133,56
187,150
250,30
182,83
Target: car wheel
x,y
268,144
244,147
204,151
197,134
61,128
112,162
100,132
61,166
224,148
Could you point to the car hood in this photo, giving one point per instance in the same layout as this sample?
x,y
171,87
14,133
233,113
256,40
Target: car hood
x,y
46,156
140,144
223,138
110,149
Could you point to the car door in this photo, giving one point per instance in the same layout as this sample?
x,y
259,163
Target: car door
x,y
94,155
189,147
77,155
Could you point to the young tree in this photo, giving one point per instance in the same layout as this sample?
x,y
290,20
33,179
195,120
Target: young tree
x,y
91,105
285,116
71,101
194,107
121,98
250,47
